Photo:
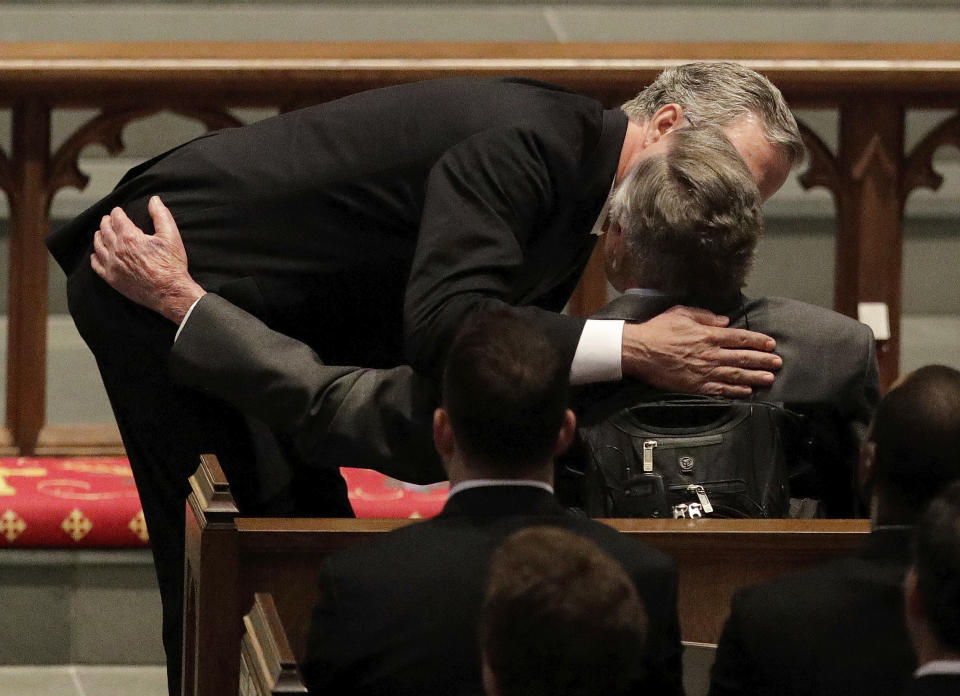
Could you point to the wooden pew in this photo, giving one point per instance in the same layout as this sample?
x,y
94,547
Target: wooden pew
x,y
267,664
229,558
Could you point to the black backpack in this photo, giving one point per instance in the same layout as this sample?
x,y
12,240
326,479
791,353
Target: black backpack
x,y
686,456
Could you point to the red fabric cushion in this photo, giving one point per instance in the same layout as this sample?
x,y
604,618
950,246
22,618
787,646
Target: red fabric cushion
x,y
93,502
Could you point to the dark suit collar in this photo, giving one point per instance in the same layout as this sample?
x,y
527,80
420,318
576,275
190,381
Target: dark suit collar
x,y
636,307
888,543
495,501
599,168
934,684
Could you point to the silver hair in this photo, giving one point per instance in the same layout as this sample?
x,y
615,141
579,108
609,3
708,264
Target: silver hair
x,y
691,217
720,94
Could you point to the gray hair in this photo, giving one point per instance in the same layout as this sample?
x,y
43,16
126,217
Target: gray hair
x,y
720,94
692,217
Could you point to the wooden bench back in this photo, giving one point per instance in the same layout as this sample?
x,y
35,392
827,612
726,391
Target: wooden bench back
x,y
229,558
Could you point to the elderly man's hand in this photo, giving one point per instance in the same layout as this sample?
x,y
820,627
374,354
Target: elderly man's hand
x,y
689,350
150,270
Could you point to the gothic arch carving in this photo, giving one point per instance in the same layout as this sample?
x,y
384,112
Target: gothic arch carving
x,y
919,172
823,169
107,129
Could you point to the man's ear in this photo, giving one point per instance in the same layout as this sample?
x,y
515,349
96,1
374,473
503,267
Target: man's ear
x,y
665,119
567,430
443,434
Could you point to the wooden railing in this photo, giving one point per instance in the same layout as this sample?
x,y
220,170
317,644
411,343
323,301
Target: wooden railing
x,y
229,558
869,176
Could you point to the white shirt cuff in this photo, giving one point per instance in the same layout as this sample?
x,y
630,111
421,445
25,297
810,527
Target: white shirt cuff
x,y
185,317
598,356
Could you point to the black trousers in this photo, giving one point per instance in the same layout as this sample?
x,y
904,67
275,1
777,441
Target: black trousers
x,y
165,427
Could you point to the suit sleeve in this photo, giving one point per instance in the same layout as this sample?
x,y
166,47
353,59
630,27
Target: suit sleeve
x,y
866,395
861,401
378,419
483,202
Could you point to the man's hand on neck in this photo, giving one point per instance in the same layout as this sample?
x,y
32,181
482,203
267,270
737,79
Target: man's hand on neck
x,y
690,350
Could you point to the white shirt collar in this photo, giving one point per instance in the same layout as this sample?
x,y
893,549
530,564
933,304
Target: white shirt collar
x,y
597,230
938,667
479,483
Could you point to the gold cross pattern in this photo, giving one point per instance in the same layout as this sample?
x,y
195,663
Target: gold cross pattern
x,y
76,525
11,525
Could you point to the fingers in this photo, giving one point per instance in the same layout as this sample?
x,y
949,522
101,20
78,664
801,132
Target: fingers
x,y
731,391
97,266
106,233
163,222
750,359
741,338
121,224
104,241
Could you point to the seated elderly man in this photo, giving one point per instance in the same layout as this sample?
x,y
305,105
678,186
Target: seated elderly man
x,y
677,239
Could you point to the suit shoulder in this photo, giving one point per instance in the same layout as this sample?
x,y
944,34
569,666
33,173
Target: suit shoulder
x,y
787,312
794,594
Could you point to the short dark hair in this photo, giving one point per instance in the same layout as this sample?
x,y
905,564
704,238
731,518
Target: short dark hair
x,y
692,217
505,388
937,563
916,431
560,616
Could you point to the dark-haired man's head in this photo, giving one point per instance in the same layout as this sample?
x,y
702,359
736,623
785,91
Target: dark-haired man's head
x,y
932,586
912,451
560,616
504,400
686,220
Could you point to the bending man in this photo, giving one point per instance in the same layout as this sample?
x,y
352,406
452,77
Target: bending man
x,y
368,228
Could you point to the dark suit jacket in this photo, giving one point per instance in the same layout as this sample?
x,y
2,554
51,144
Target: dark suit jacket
x,y
934,685
829,375
400,615
376,222
836,630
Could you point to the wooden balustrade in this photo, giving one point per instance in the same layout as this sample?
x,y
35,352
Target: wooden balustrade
x,y
869,176
229,558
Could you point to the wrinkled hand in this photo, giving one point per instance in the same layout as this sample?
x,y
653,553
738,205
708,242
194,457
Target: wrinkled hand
x,y
150,270
689,350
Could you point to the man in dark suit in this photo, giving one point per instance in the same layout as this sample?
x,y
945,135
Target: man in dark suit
x,y
838,630
401,615
932,597
367,228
